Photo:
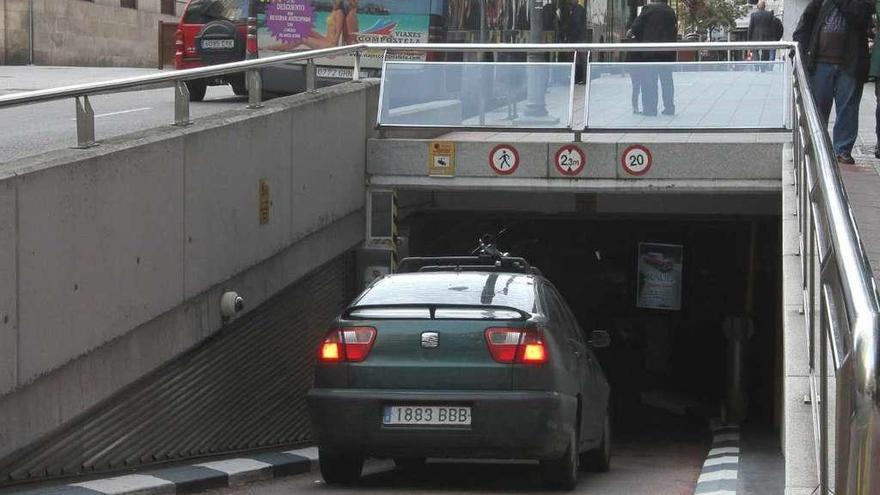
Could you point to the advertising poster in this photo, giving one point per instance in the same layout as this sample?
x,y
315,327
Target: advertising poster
x,y
288,25
659,276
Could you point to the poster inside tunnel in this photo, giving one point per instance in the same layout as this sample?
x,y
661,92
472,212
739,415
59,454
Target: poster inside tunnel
x,y
659,276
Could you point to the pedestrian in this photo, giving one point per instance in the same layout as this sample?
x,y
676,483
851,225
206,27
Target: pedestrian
x,y
875,76
577,33
656,23
635,76
761,28
833,38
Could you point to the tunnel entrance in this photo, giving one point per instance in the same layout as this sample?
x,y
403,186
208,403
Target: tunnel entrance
x,y
668,368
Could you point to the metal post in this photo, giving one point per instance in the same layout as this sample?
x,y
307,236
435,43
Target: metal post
x,y
537,86
85,123
356,71
255,89
181,104
823,394
31,32
310,75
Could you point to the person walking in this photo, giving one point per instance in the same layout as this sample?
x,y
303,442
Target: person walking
x,y
762,28
874,74
656,23
833,38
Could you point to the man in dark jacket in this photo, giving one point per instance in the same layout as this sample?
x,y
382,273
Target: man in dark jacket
x,y
833,38
762,28
656,23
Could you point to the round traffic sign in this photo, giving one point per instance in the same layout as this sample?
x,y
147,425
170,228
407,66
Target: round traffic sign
x,y
636,160
570,160
504,159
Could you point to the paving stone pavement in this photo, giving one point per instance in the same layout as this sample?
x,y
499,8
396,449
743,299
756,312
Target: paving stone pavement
x,y
862,182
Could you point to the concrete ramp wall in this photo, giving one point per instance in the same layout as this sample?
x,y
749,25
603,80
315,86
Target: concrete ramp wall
x,y
113,259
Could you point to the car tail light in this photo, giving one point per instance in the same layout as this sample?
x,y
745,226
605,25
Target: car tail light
x,y
516,345
351,344
178,47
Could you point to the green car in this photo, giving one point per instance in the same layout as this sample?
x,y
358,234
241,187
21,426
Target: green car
x,y
464,357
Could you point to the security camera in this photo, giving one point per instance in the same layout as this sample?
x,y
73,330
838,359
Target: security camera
x,y
230,304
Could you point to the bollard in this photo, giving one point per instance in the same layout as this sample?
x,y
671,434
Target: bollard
x,y
738,330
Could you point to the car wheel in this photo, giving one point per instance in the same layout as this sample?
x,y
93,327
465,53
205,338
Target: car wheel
x,y
599,460
561,473
408,463
340,468
197,90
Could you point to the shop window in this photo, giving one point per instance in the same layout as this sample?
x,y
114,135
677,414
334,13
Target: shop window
x,y
128,4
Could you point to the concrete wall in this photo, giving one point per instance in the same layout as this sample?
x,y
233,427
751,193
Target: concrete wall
x,y
74,32
113,259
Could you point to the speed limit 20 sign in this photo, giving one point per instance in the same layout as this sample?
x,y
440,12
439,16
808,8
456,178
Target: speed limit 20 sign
x,y
636,160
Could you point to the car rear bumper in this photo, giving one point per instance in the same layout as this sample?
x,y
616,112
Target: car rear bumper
x,y
505,425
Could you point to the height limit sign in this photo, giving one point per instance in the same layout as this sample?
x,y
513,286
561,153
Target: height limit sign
x,y
636,160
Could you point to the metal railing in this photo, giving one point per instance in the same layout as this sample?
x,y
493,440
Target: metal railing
x,y
841,307
840,299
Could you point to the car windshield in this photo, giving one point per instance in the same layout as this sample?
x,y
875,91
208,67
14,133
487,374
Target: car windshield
x,y
464,288
205,11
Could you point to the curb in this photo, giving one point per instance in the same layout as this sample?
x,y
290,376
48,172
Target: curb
x,y
720,472
195,477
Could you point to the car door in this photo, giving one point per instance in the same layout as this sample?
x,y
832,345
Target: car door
x,y
580,358
593,388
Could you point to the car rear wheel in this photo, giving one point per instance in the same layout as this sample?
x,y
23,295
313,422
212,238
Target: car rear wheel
x,y
340,468
197,90
599,460
561,473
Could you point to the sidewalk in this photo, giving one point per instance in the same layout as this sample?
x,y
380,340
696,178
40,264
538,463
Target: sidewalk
x,y
862,182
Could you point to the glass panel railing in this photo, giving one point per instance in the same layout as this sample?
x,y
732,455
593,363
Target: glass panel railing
x,y
477,95
689,95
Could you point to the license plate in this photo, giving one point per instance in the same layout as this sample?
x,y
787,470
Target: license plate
x,y
218,44
427,415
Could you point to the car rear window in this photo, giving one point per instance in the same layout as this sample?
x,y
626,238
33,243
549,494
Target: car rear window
x,y
205,11
465,288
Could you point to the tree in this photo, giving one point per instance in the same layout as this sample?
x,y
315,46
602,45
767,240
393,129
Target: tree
x,y
703,15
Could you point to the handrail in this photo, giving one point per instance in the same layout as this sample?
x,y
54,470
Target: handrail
x,y
844,273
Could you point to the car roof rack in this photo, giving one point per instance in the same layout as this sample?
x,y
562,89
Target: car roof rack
x,y
507,264
485,258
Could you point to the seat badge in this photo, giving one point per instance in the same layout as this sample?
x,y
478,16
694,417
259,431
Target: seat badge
x,y
430,340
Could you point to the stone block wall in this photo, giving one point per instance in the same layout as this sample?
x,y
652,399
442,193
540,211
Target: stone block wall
x,y
96,33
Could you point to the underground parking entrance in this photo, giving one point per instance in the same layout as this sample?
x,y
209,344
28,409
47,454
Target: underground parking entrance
x,y
687,285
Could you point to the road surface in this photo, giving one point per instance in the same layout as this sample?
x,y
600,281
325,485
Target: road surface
x,y
34,129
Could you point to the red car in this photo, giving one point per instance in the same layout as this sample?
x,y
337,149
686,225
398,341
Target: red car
x,y
212,32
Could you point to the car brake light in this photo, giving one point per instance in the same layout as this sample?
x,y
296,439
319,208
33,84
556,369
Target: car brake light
x,y
516,345
350,344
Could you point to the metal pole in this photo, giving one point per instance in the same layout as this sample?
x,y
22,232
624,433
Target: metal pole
x,y
85,123
30,32
255,89
535,104
311,83
181,104
356,71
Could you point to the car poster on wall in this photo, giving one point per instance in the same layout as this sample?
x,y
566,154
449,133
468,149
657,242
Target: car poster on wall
x,y
659,276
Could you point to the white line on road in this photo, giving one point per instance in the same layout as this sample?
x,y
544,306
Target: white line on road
x,y
110,114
